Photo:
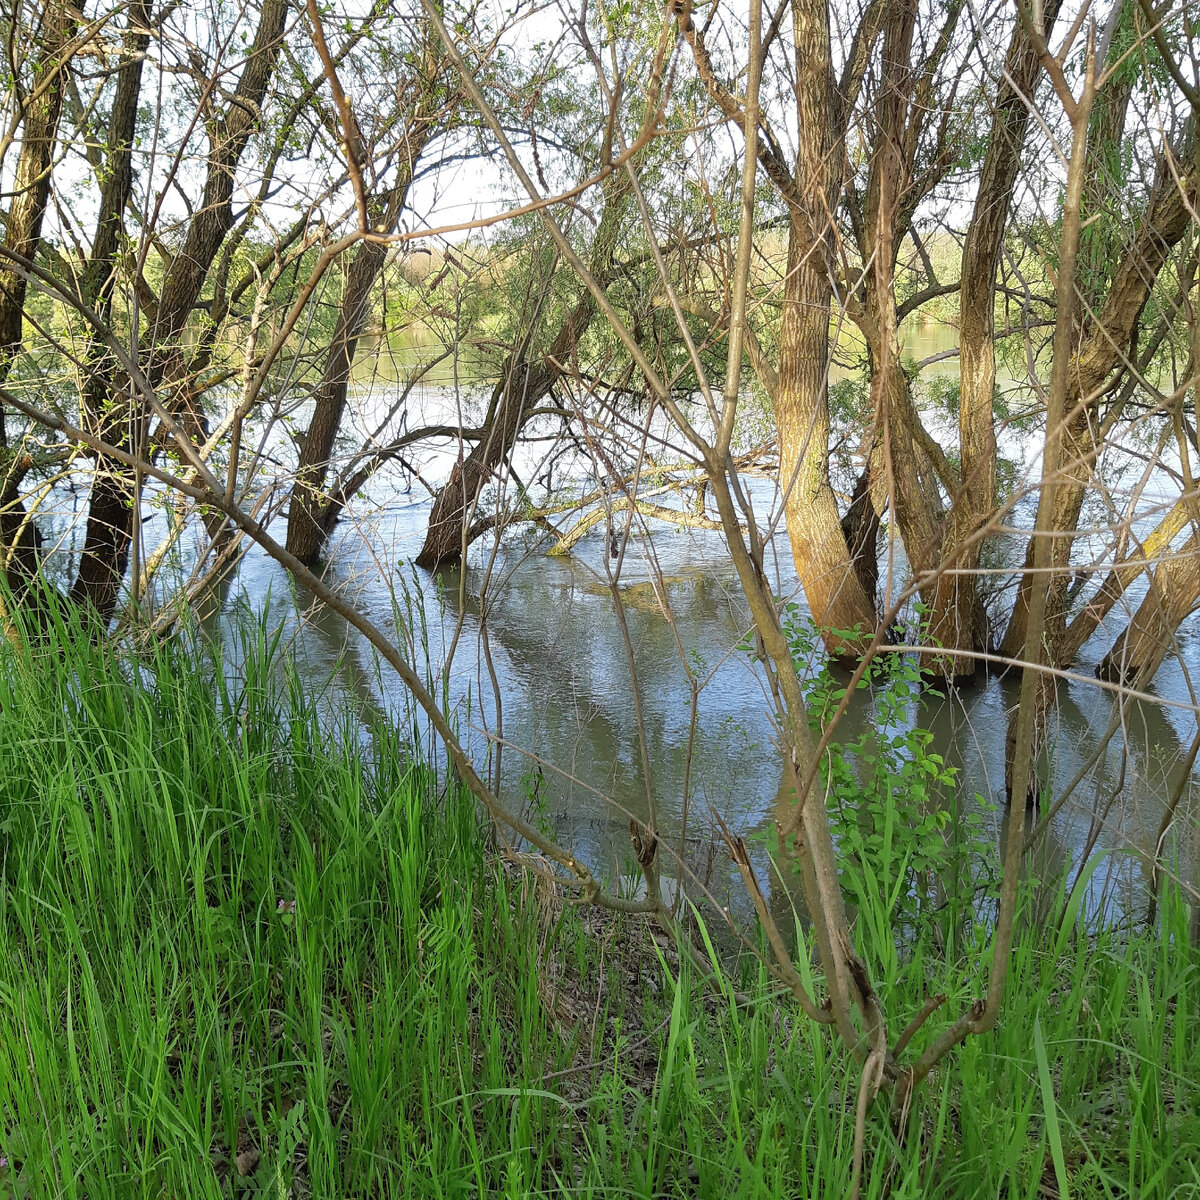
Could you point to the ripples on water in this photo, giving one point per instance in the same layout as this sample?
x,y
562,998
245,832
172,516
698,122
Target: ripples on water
x,y
564,683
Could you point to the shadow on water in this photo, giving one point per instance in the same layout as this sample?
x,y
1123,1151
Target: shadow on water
x,y
565,695
566,701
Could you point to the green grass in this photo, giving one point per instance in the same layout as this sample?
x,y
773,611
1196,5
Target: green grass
x,y
228,930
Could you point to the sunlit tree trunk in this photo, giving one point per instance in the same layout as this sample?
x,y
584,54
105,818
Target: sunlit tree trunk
x,y
1173,595
1152,547
834,591
904,474
957,621
526,381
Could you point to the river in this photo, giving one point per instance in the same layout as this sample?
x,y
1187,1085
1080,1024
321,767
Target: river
x,y
562,700
559,691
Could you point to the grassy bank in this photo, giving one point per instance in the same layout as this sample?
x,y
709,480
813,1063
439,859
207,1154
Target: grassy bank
x,y
241,953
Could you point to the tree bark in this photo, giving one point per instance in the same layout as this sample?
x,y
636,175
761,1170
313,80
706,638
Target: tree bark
x,y
903,472
526,381
1088,619
525,384
124,417
904,475
19,538
307,527
1029,721
311,515
835,594
31,184
1096,369
957,623
861,527
1173,595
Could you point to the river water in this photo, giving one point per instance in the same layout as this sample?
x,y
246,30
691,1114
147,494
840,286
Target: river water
x,y
559,693
560,689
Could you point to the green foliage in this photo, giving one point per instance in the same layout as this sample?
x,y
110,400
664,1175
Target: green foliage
x,y
910,855
246,953
940,392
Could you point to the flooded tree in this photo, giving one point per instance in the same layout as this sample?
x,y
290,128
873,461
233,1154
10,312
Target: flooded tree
x,y
680,293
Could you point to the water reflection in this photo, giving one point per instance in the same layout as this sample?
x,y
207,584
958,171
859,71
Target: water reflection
x,y
563,672
564,687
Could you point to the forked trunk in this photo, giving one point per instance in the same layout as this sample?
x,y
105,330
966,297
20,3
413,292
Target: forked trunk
x,y
114,498
958,623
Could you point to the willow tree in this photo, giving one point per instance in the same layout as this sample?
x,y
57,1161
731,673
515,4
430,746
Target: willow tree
x,y
116,394
911,143
548,339
957,623
810,184
1110,342
421,108
36,95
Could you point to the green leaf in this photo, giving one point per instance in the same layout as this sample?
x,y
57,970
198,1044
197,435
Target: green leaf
x,y
1051,1109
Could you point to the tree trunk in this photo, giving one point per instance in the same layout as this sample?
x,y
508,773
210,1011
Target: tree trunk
x,y
525,383
903,472
310,517
839,604
1088,619
1029,720
113,499
836,598
1173,595
524,386
1095,371
958,623
111,486
19,538
31,184
861,526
